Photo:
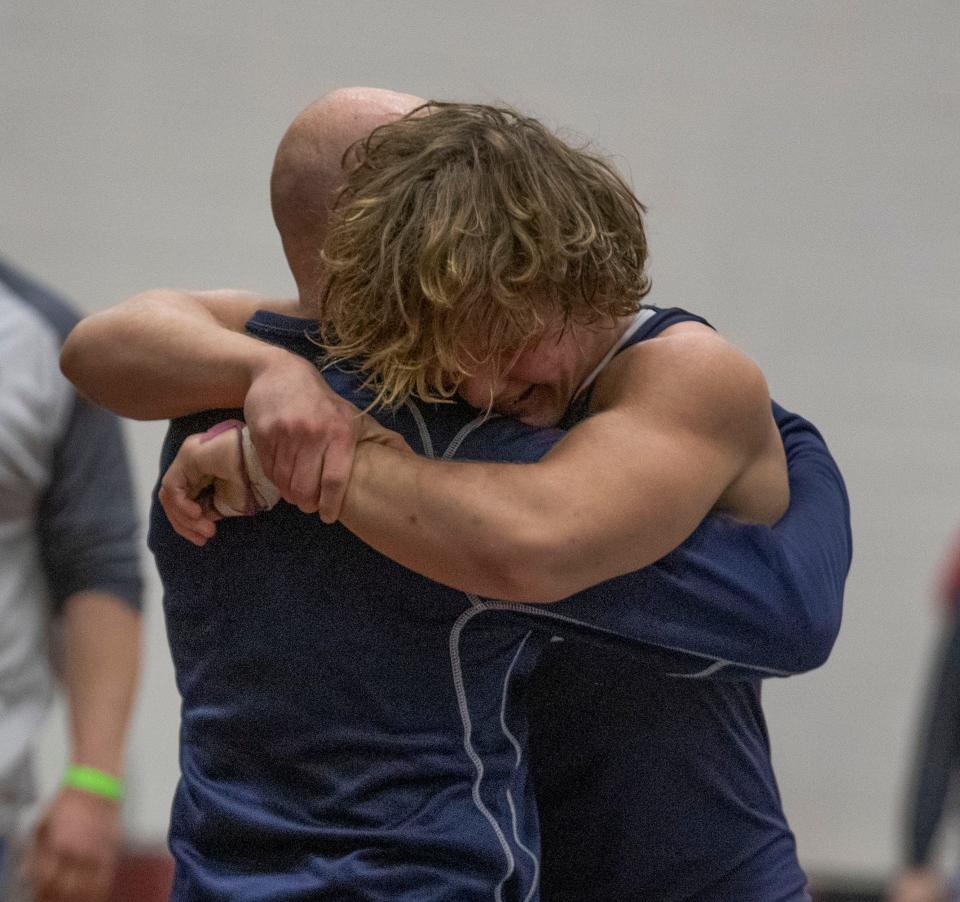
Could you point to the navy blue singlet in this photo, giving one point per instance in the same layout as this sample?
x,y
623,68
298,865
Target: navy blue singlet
x,y
661,789
353,731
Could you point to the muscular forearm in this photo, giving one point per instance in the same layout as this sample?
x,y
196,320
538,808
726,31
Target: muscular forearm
x,y
476,527
161,354
101,665
531,532
769,598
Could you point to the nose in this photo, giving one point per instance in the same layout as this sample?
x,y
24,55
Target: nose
x,y
481,390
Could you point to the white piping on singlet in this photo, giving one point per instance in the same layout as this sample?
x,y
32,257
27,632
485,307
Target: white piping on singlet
x,y
455,442
535,882
519,757
459,438
463,707
479,606
639,318
717,665
503,700
425,439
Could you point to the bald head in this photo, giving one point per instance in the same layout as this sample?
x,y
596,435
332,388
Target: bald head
x,y
307,169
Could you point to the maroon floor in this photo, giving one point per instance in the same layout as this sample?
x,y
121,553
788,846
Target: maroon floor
x,y
145,875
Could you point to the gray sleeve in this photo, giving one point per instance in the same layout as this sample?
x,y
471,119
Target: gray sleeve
x,y
87,521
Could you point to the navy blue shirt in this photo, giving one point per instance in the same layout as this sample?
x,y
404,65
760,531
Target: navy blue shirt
x,y
352,730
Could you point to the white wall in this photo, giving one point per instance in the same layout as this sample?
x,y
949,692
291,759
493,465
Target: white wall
x,y
800,163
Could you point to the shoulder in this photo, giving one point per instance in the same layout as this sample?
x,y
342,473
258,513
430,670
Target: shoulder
x,y
690,374
698,391
35,399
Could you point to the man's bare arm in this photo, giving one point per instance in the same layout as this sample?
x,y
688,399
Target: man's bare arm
x,y
75,845
689,418
165,353
683,419
617,493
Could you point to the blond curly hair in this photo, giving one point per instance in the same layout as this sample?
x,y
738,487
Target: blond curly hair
x,y
462,232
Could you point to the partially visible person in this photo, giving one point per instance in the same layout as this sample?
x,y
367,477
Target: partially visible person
x,y
937,759
70,597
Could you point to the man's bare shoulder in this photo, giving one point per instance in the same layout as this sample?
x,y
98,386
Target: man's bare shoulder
x,y
692,382
688,371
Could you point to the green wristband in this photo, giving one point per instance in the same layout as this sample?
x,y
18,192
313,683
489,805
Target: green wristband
x,y
96,782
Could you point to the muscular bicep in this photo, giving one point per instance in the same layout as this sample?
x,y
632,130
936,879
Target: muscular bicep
x,y
681,426
633,494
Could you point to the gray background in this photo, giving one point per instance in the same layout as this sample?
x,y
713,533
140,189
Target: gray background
x,y
800,164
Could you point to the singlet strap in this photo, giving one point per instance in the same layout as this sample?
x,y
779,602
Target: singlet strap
x,y
639,318
647,323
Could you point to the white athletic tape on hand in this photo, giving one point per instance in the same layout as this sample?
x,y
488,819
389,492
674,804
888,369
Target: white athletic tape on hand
x,y
259,493
265,493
